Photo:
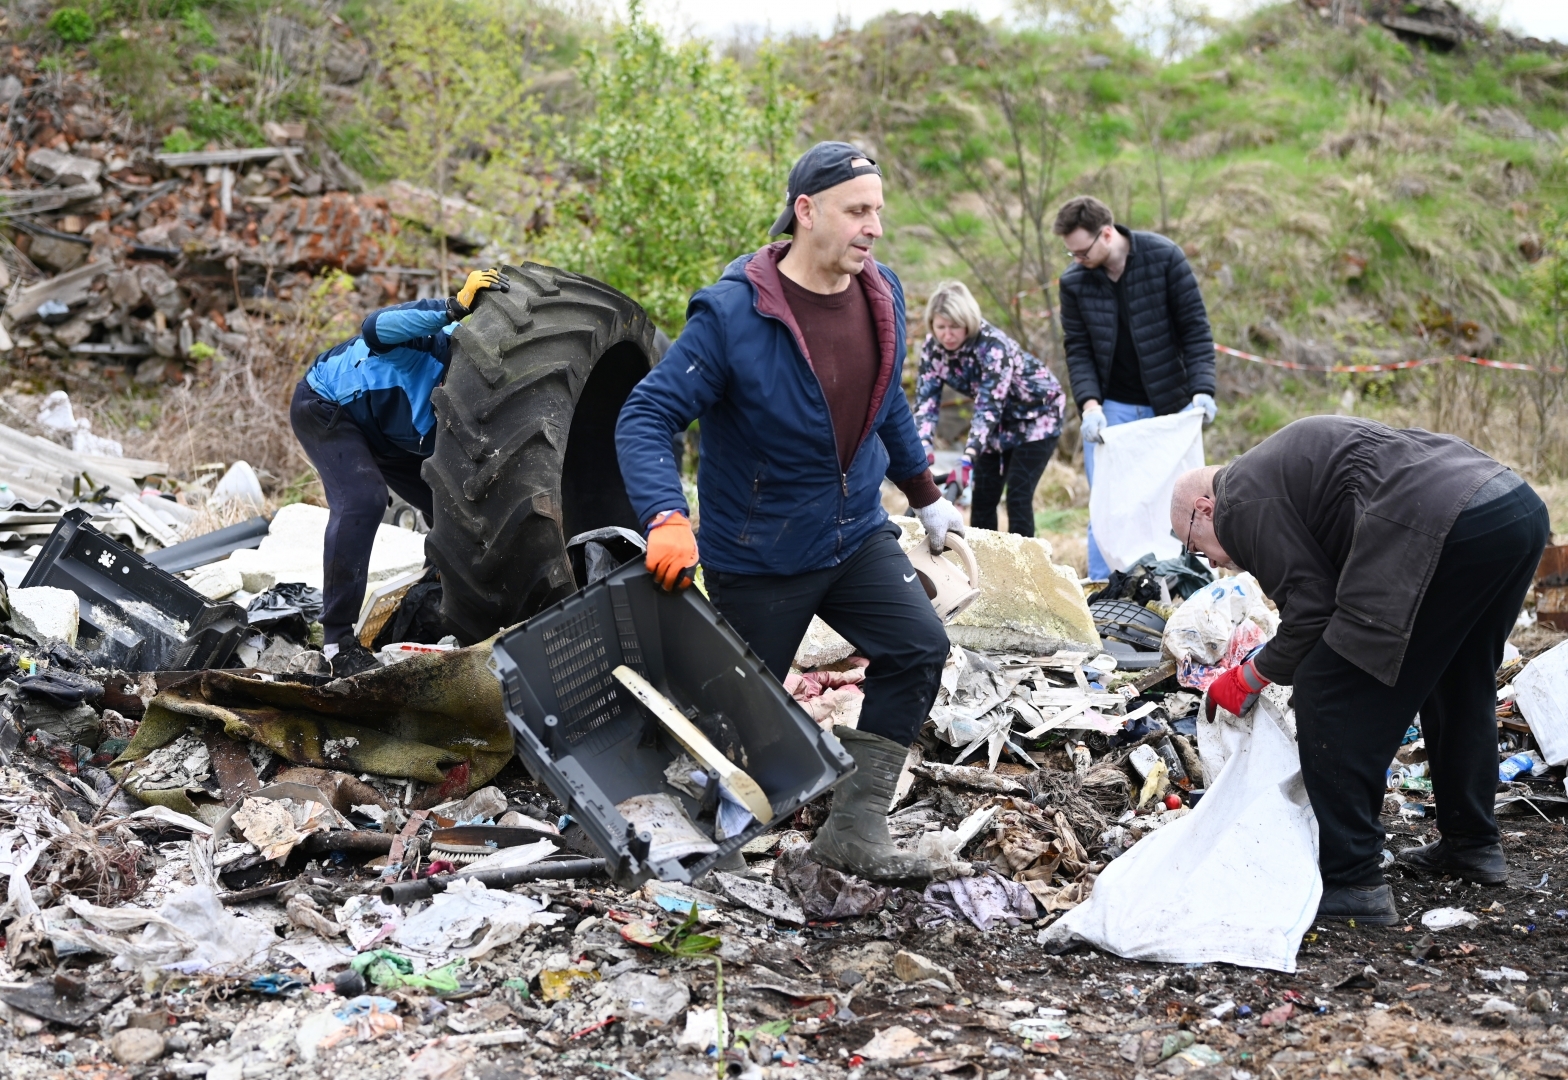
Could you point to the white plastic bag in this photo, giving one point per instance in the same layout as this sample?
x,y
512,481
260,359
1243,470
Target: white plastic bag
x,y
1235,881
1201,628
1135,471
1541,691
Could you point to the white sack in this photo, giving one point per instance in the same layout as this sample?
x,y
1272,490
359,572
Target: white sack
x,y
1235,881
1541,691
1135,471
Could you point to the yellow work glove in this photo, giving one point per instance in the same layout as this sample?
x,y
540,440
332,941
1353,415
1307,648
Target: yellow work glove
x,y
480,279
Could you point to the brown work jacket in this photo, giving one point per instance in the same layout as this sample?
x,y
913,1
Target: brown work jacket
x,y
1342,521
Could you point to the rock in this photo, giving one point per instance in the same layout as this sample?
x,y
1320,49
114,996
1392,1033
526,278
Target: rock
x,y
53,167
1028,602
58,255
1539,1002
821,645
44,613
911,967
136,1046
216,580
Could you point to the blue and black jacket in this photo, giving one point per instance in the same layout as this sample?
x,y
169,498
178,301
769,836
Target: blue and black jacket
x,y
383,377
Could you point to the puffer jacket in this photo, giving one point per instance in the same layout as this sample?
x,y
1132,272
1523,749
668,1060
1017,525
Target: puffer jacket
x,y
383,376
1170,327
773,498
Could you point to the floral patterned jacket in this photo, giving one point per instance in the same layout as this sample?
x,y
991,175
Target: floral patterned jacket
x,y
1017,399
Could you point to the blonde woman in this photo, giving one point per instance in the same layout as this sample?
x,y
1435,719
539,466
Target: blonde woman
x,y
1017,405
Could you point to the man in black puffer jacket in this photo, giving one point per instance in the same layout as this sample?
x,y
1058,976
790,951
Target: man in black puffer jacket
x,y
1136,332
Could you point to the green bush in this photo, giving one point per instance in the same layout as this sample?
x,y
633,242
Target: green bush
x,y
684,158
72,25
215,121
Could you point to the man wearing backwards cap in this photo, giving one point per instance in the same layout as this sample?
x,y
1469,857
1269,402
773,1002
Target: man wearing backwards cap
x,y
792,362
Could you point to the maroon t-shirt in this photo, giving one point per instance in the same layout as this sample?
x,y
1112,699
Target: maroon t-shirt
x,y
841,340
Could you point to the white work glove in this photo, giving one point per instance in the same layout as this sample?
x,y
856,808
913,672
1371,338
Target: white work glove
x,y
940,518
1094,426
1206,403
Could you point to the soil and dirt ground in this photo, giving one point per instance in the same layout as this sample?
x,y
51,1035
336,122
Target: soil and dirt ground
x,y
1483,1000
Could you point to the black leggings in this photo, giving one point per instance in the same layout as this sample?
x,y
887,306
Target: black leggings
x,y
1020,469
1349,724
356,479
875,601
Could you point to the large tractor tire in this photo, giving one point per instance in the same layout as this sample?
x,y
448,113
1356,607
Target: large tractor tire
x,y
525,442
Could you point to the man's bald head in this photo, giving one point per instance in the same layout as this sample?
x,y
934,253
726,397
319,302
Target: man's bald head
x,y
1192,514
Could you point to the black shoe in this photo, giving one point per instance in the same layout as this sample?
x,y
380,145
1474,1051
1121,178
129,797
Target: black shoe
x,y
1369,905
1483,865
352,658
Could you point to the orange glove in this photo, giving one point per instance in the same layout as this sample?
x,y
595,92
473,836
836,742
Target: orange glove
x,y
672,550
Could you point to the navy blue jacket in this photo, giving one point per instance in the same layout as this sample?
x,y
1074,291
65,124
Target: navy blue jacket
x,y
773,499
1170,326
384,376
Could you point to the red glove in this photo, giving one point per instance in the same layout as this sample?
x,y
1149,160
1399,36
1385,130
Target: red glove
x,y
1237,690
672,550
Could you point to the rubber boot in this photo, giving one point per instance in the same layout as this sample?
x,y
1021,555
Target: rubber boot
x,y
855,838
1483,865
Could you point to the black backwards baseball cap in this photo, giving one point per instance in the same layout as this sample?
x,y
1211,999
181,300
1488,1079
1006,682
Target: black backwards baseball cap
x,y
825,165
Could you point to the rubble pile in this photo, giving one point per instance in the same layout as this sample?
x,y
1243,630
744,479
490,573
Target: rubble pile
x,y
261,870
133,264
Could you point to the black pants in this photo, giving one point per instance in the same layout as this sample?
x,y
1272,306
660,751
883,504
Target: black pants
x,y
1349,724
356,479
1020,469
872,598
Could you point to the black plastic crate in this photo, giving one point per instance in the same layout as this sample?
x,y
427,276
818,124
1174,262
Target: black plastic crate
x,y
134,615
594,746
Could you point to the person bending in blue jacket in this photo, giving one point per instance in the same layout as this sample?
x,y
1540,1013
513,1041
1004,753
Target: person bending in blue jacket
x,y
792,362
362,412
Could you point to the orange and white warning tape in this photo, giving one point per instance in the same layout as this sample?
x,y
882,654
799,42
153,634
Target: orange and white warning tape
x,y
1398,365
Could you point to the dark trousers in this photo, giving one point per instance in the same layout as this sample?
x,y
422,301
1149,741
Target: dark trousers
x,y
1349,724
356,479
874,599
1020,470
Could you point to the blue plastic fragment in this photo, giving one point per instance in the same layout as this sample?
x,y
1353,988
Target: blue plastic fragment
x,y
362,1005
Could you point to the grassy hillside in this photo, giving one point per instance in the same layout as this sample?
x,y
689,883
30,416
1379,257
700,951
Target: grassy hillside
x,y
1345,196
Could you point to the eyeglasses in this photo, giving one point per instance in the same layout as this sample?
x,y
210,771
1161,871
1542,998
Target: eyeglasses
x,y
1082,256
1186,549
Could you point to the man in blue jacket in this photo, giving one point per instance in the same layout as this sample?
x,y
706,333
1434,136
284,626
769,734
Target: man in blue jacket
x,y
362,412
792,362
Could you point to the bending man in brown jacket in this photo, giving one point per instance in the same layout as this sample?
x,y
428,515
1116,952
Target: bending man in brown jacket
x,y
1398,561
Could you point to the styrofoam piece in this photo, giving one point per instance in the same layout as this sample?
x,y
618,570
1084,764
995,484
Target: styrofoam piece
x,y
216,580
45,614
1541,692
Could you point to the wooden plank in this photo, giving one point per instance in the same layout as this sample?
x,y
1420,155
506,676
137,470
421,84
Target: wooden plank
x,y
734,779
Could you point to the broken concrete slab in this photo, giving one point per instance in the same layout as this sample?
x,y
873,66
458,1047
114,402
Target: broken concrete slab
x,y
46,614
292,550
1028,602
